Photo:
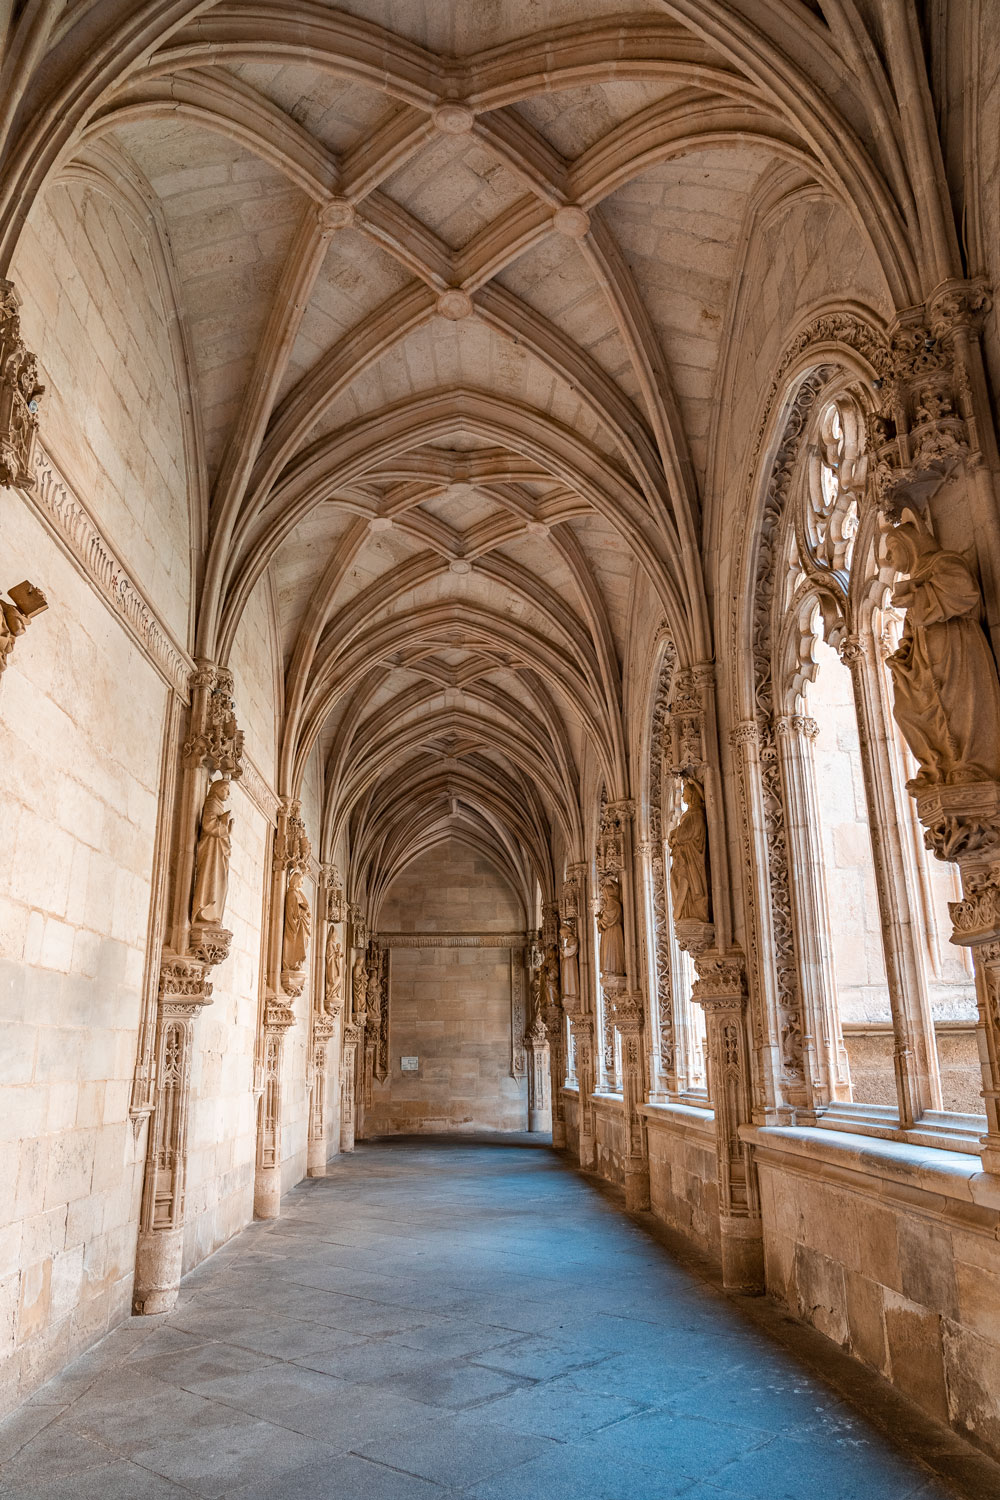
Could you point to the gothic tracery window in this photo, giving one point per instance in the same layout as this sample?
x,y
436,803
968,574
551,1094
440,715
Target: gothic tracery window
x,y
883,989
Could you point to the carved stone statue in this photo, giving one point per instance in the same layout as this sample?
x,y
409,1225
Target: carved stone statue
x,y
211,880
16,614
298,923
334,974
610,923
550,982
688,841
946,697
569,946
359,985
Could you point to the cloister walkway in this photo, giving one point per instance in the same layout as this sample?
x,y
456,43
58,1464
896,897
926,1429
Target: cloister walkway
x,y
445,1318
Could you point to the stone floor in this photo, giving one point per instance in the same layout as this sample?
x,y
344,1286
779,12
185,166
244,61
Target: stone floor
x,y
461,1319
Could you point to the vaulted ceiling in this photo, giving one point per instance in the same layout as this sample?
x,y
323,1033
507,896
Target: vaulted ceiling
x,y
454,281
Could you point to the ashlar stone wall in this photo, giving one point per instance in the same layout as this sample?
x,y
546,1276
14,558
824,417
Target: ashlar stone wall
x,y
450,1006
81,716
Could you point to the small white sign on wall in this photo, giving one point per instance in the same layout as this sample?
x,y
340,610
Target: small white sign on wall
x,y
409,1064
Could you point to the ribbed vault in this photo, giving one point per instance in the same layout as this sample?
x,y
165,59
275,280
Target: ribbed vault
x,y
452,301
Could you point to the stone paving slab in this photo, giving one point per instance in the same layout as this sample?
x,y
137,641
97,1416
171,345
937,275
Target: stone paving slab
x,y
462,1318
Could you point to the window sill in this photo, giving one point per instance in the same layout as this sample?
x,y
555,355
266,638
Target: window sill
x,y
684,1114
937,1129
949,1174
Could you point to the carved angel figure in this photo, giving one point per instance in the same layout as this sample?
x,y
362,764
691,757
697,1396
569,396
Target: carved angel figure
x,y
688,841
610,923
569,946
946,696
334,974
298,923
211,880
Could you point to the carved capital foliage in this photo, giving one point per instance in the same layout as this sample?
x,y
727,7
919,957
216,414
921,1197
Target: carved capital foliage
x,y
323,1027
214,740
721,981
183,987
976,918
626,1010
20,395
746,733
293,982
794,726
961,822
694,937
209,943
278,1017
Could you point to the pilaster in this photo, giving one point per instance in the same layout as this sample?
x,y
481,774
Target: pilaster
x,y
213,745
721,990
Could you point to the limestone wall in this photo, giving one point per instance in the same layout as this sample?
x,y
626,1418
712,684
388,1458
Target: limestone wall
x,y
892,1254
450,1007
99,314
81,724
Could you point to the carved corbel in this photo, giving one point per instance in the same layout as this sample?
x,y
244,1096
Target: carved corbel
x,y
20,395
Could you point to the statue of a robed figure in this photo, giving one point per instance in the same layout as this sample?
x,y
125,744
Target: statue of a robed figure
x,y
688,840
212,855
298,923
610,924
946,696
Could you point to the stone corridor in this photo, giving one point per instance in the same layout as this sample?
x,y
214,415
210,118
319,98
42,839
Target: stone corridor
x,y
442,1317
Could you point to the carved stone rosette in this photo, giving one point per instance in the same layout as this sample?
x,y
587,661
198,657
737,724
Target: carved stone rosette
x,y
20,395
720,989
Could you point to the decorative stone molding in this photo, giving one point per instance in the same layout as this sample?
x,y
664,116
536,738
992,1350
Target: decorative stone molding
x,y
20,395
209,943
694,937
659,759
757,740
976,918
961,822
293,982
263,796
77,532
183,983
